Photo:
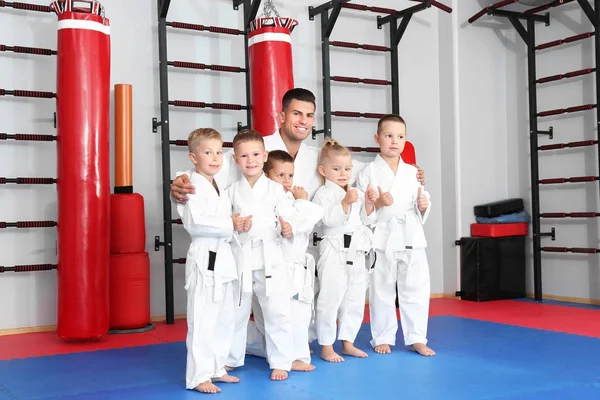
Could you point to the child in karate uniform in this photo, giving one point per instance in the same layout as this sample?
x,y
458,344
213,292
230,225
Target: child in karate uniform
x,y
266,212
399,240
341,266
280,168
210,270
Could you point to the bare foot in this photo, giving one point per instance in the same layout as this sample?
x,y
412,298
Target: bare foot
x,y
329,355
349,350
228,368
422,349
279,375
383,349
207,387
227,379
302,366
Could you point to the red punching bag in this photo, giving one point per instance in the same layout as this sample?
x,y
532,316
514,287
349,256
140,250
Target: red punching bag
x,y
83,181
271,69
408,154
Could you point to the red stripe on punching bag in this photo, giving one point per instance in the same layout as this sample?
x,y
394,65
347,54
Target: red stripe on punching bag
x,y
271,70
83,184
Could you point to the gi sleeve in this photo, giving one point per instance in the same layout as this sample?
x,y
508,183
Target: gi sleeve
x,y
422,217
198,221
333,212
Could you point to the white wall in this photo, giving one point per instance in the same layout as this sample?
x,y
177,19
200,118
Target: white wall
x,y
462,91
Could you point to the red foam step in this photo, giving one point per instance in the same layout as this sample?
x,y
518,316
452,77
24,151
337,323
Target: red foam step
x,y
499,230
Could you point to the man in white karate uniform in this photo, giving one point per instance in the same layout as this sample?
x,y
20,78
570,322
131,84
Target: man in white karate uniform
x,y
399,240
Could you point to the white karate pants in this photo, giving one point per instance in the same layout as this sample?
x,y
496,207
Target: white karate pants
x,y
412,280
210,331
301,313
276,311
341,295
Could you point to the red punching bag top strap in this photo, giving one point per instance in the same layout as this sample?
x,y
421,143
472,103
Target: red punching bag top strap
x,y
79,6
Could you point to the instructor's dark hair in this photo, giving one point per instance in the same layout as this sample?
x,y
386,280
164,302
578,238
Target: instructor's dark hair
x,y
299,94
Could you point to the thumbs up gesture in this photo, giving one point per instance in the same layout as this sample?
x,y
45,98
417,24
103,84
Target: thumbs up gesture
x,y
286,228
385,198
422,201
351,196
370,196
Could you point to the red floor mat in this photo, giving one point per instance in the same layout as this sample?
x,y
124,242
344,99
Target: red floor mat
x,y
573,320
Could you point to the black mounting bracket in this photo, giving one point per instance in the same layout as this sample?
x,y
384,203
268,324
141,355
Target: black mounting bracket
x,y
158,243
551,234
316,132
316,239
549,132
156,124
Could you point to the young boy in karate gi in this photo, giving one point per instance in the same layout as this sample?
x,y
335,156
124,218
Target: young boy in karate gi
x,y
266,212
210,270
345,242
399,240
280,168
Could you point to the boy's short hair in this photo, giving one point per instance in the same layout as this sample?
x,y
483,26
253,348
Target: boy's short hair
x,y
389,118
247,135
276,156
299,94
197,135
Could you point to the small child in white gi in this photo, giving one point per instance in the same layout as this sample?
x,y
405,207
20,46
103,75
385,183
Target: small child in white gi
x,y
266,212
210,270
345,242
399,240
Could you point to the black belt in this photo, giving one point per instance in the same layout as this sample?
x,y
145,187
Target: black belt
x,y
212,257
347,239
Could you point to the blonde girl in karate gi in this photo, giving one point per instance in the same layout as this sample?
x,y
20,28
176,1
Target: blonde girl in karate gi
x,y
210,269
399,241
341,266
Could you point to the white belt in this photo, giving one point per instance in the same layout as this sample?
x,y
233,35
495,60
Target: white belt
x,y
397,229
268,242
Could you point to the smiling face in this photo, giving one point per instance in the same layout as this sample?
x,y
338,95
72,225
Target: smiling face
x,y
250,156
391,139
337,168
297,120
207,157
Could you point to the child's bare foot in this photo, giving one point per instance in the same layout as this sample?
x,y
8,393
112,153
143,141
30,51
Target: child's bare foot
x,y
207,387
349,350
228,368
422,349
383,349
329,355
227,379
279,375
302,366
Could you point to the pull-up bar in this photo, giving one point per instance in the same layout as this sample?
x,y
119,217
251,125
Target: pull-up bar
x,y
31,137
28,50
26,6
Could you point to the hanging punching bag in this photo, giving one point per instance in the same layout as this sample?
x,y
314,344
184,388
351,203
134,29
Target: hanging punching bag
x,y
83,181
271,69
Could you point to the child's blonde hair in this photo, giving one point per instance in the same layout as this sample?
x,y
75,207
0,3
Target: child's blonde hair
x,y
331,148
247,135
200,134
